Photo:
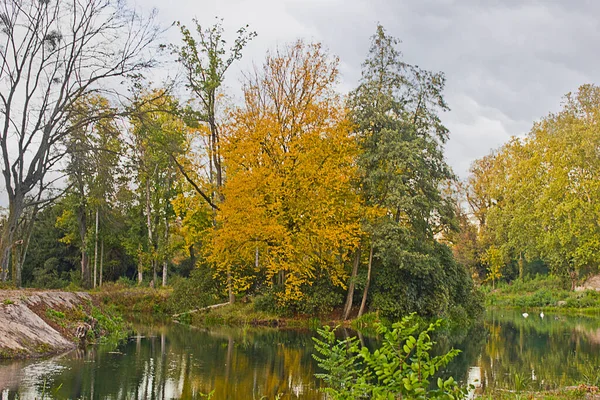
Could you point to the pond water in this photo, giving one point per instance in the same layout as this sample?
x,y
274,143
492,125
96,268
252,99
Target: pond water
x,y
174,361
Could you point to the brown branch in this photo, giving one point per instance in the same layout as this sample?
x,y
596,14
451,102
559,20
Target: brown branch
x,y
194,185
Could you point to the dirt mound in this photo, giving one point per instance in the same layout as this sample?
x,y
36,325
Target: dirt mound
x,y
25,328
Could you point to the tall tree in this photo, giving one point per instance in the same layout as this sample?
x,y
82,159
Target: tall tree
x,y
52,54
540,191
206,60
396,110
157,136
93,156
289,159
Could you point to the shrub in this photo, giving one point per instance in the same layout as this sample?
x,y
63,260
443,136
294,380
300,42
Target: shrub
x,y
320,298
199,290
266,303
402,367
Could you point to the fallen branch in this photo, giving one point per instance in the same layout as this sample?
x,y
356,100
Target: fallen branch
x,y
201,309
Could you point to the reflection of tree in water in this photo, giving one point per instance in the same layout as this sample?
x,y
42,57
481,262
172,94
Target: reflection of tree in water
x,y
163,362
180,362
470,342
545,353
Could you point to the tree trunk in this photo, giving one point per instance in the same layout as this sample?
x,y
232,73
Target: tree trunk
x,y
96,250
149,226
192,255
16,274
166,261
25,245
140,266
351,284
230,287
8,233
521,266
363,303
256,259
85,274
82,222
101,259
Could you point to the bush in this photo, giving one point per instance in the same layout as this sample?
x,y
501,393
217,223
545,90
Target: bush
x,y
199,290
48,277
320,298
402,367
428,281
266,303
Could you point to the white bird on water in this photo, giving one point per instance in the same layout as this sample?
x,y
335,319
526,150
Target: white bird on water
x,y
525,315
542,315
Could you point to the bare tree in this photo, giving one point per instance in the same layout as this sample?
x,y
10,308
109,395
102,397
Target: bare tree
x,y
53,53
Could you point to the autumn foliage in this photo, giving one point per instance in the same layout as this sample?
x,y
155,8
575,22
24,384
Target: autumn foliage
x,y
291,211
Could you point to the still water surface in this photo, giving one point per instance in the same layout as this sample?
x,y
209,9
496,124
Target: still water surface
x,y
174,361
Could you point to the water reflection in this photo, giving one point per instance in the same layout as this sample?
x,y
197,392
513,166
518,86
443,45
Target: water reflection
x,y
173,361
165,362
543,353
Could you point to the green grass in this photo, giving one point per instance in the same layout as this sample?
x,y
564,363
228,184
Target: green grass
x,y
55,315
571,393
546,293
237,314
139,300
8,302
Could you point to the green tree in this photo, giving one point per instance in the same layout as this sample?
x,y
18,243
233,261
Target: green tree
x,y
206,59
395,110
539,193
94,151
158,134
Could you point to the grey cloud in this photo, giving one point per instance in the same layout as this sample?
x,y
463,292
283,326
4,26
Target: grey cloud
x,y
507,62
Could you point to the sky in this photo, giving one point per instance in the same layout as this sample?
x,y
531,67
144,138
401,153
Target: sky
x,y
507,63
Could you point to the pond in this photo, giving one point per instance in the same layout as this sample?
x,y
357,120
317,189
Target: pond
x,y
174,361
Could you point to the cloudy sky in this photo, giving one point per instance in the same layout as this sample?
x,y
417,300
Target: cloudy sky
x,y
507,62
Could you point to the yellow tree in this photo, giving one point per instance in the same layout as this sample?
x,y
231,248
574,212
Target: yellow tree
x,y
290,210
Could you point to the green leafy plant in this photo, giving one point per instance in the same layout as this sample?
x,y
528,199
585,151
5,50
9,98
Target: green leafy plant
x,y
402,367
55,315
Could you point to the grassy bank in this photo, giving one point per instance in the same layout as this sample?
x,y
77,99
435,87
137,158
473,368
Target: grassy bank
x,y
570,393
547,293
245,314
138,300
248,311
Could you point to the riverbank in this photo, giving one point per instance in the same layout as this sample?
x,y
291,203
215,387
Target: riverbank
x,y
544,293
569,393
161,303
38,323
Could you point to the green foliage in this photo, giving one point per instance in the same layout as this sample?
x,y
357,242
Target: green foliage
x,y
401,367
542,292
49,261
268,303
430,284
536,197
111,327
199,290
55,315
396,111
8,302
320,298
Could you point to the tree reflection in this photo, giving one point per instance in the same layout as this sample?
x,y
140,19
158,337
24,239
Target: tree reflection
x,y
173,361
